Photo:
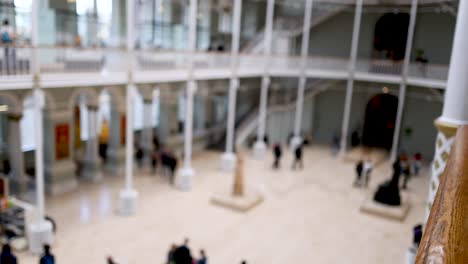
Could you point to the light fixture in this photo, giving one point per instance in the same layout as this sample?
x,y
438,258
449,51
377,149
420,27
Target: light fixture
x,y
3,108
385,89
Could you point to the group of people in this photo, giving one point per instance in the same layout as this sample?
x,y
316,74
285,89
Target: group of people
x,y
278,153
363,173
7,256
364,169
182,255
7,38
161,158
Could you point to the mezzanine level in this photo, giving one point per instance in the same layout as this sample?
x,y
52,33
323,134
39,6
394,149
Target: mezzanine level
x,y
76,67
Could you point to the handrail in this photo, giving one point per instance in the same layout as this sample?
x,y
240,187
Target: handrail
x,y
445,238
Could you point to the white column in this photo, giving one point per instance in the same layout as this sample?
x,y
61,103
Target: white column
x,y
40,230
18,180
91,159
297,139
402,92
455,110
146,141
128,196
260,146
229,158
185,175
350,84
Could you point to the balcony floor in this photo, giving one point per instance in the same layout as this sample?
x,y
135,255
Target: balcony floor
x,y
309,216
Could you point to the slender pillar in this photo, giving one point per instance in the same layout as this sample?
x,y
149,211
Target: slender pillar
x,y
404,77
260,146
147,132
40,230
297,139
185,175
229,158
455,110
350,83
129,196
91,159
114,150
18,180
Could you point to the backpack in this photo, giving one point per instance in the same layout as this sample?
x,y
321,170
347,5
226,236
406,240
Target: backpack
x,y
6,37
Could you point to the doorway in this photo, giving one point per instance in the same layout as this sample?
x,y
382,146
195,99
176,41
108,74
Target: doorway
x,y
379,123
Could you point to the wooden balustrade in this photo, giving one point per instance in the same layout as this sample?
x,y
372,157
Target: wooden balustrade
x,y
445,237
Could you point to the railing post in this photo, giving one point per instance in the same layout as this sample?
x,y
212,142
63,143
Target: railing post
x,y
455,110
350,83
128,195
260,146
404,80
303,78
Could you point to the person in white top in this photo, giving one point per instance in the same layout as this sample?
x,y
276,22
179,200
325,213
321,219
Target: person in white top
x,y
368,166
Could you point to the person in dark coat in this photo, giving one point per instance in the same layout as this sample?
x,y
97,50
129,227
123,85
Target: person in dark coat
x,y
359,169
47,257
7,257
298,157
277,153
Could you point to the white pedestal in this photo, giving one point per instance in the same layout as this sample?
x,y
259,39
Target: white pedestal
x,y
228,161
295,142
40,233
128,202
259,149
184,179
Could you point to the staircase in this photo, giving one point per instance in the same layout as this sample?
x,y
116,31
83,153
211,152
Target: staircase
x,y
248,127
290,28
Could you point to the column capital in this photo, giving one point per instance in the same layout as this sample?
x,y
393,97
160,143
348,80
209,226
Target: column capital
x,y
14,117
446,128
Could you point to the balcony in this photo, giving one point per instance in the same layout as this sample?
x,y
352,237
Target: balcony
x,y
73,66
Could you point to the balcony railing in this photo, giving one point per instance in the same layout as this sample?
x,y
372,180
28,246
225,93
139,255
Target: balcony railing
x,y
15,60
78,60
445,238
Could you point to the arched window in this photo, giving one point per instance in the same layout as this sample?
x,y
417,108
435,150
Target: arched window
x,y
27,128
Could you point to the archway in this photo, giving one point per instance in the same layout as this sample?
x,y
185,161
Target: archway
x,y
390,36
379,121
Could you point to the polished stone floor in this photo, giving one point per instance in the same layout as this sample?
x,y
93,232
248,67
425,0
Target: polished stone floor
x,y
308,216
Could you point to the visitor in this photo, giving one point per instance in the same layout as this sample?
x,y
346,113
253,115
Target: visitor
x,y
359,169
335,145
110,260
355,139
277,153
47,257
417,163
170,254
168,164
405,170
298,157
182,254
8,39
368,166
7,257
139,155
203,259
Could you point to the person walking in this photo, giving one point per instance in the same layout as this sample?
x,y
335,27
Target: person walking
x,y
277,154
359,169
368,166
298,157
8,40
405,170
47,257
7,257
417,163
203,259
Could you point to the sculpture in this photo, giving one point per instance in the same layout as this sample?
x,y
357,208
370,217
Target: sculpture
x,y
389,192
